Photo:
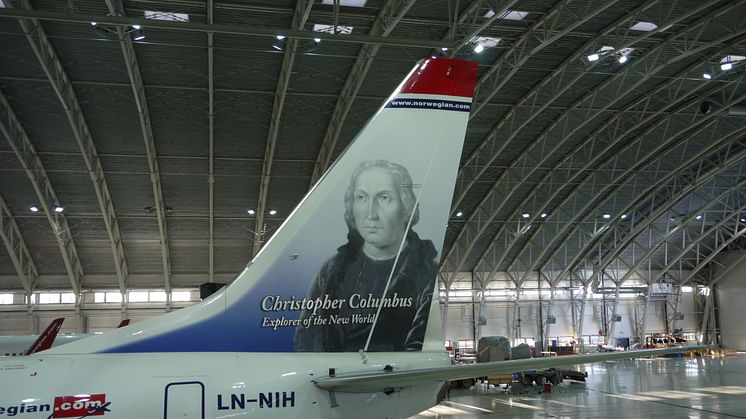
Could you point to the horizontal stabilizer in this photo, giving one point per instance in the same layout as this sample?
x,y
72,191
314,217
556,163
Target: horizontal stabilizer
x,y
380,381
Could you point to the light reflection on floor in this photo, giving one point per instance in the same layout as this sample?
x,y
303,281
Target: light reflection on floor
x,y
667,387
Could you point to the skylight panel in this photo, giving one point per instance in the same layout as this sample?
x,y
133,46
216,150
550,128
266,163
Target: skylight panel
x,y
644,26
2,4
348,3
6,298
171,16
514,15
341,30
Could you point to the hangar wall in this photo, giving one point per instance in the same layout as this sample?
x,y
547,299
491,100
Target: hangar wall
x,y
499,317
731,294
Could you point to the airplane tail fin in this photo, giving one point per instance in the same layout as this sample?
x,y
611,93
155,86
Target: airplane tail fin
x,y
46,338
123,323
354,266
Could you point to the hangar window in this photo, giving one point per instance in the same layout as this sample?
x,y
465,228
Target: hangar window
x,y
138,296
107,297
6,298
49,298
56,298
181,296
157,296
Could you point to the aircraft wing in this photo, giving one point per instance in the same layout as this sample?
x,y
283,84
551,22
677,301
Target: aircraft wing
x,y
380,381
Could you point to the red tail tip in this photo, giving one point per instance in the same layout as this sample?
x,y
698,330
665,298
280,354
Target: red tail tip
x,y
443,76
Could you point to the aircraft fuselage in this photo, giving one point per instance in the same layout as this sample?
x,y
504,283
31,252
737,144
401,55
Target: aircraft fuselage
x,y
205,385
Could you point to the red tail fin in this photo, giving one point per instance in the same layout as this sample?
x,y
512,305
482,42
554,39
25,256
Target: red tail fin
x,y
46,339
123,323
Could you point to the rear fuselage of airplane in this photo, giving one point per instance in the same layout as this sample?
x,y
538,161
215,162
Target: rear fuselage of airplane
x,y
206,385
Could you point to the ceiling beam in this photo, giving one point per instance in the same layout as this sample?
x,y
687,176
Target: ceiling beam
x,y
55,71
566,126
587,236
584,164
126,22
138,88
17,249
21,145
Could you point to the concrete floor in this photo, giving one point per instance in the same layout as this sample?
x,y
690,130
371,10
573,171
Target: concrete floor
x,y
662,388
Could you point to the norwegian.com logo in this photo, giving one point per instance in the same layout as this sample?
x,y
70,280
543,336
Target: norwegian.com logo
x,y
81,405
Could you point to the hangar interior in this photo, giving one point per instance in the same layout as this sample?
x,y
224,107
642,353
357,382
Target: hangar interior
x,y
150,146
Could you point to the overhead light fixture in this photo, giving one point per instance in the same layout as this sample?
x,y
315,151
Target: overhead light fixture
x,y
622,59
606,216
137,34
595,56
272,212
729,61
251,212
707,75
525,215
102,31
460,214
58,208
34,208
543,215
480,43
623,216
279,43
699,217
743,220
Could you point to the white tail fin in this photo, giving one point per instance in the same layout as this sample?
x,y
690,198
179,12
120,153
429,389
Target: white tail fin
x,y
354,266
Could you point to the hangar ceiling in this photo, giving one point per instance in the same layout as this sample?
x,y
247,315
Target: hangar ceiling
x,y
575,166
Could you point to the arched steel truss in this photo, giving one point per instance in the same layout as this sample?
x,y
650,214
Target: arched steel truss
x,y
648,65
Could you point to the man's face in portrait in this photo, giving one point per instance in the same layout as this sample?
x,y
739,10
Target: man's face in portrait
x,y
378,211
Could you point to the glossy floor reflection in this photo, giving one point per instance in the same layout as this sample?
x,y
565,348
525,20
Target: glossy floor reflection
x,y
661,388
